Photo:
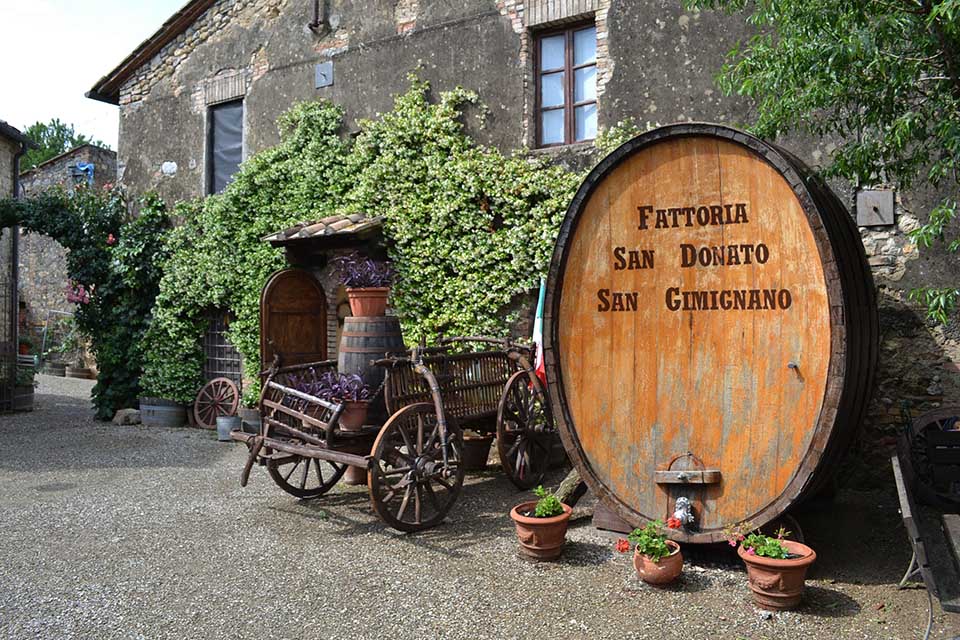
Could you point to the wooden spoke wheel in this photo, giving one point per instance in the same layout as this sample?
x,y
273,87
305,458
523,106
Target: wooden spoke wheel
x,y
304,477
525,430
219,397
410,488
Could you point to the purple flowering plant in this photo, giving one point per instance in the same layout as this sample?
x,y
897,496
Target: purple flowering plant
x,y
332,386
357,271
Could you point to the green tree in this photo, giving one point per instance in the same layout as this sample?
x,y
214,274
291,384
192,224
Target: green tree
x,y
881,77
53,138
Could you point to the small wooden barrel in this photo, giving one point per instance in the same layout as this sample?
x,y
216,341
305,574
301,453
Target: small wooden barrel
x,y
363,340
711,329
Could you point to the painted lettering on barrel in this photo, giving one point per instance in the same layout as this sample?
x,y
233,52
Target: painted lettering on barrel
x,y
624,259
723,255
689,216
677,299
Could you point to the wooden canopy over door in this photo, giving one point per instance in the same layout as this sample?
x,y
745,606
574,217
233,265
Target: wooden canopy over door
x,y
293,319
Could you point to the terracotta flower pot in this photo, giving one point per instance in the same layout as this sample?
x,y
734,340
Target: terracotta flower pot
x,y
24,349
540,538
778,584
354,415
476,450
664,571
368,302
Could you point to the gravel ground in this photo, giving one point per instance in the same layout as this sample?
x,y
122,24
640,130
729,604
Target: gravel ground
x,y
129,532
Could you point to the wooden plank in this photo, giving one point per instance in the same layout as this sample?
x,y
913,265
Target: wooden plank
x,y
951,530
706,476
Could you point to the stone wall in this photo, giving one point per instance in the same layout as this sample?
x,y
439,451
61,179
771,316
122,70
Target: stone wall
x,y
8,149
656,64
43,265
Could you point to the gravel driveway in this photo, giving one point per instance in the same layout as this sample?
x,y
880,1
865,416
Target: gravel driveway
x,y
130,532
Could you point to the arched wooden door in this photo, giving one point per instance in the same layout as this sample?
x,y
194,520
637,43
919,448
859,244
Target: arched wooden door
x,y
293,319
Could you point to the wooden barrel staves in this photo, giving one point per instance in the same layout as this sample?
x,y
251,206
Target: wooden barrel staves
x,y
363,340
711,329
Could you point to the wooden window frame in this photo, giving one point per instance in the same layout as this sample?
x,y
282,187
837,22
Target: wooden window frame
x,y
569,71
208,152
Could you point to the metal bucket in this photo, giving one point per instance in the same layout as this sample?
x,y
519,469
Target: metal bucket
x,y
226,424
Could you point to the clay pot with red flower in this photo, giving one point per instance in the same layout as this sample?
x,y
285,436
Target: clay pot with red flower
x,y
658,561
367,282
541,525
776,567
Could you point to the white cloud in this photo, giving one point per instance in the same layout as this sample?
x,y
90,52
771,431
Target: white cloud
x,y
54,51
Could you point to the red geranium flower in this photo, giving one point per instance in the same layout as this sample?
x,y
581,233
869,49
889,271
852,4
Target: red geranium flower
x,y
623,545
674,523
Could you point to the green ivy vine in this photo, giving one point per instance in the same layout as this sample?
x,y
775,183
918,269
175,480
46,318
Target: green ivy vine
x,y
470,229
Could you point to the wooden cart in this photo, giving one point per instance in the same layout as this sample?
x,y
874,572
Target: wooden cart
x,y
413,460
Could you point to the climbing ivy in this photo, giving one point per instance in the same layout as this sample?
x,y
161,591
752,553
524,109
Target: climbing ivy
x,y
113,262
218,259
470,229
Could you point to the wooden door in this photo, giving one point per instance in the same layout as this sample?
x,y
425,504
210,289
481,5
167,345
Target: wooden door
x,y
293,319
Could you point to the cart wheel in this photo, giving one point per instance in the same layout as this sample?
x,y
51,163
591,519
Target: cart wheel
x,y
525,430
304,477
409,487
219,397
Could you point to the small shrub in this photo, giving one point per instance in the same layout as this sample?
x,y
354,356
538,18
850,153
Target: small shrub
x,y
548,504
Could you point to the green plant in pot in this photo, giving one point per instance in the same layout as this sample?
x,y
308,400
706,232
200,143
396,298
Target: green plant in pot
x,y
367,282
657,559
541,525
24,383
776,566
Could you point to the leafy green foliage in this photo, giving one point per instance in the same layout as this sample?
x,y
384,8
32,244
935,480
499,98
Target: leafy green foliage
x,y
766,546
880,78
52,138
650,540
548,504
469,230
116,259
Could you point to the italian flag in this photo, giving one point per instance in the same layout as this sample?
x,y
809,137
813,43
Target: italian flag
x,y
538,334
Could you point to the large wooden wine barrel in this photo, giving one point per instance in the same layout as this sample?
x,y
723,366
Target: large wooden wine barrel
x,y
711,329
363,340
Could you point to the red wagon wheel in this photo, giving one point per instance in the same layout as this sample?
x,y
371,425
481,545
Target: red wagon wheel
x,y
219,397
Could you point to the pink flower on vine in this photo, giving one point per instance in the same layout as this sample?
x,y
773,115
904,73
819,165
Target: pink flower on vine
x,y
107,186
78,294
110,239
751,552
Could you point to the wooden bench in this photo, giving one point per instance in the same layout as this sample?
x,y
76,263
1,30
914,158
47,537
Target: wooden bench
x,y
936,554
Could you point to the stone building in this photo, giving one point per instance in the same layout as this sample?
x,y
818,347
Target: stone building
x,y
43,266
205,90
13,145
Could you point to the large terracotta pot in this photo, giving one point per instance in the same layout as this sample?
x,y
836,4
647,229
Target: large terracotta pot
x,y
778,584
368,301
354,414
662,572
540,538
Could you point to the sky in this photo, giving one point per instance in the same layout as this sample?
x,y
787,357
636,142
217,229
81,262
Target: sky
x,y
54,51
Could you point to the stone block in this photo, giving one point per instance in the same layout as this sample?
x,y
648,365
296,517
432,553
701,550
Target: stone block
x,y
126,416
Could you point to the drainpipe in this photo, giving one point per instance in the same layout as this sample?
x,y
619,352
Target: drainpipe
x,y
15,263
318,25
